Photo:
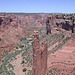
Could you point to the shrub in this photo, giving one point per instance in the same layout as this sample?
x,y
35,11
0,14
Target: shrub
x,y
2,60
22,61
21,46
16,47
24,70
23,39
63,36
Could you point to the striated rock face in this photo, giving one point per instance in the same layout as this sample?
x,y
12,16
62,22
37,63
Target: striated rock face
x,y
67,22
9,36
39,56
63,21
36,20
32,20
7,20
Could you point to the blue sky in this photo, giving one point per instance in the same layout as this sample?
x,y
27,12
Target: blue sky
x,y
38,6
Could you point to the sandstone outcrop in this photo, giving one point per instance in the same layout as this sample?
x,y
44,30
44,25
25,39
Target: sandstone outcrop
x,y
39,56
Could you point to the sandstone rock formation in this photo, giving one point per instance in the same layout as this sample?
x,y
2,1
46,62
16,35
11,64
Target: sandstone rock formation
x,y
48,25
63,21
39,56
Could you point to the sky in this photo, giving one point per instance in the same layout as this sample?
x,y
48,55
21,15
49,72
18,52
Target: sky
x,y
38,6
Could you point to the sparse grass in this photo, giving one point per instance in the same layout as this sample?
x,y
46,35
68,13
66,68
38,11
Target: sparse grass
x,y
60,45
10,66
53,72
1,70
11,72
29,72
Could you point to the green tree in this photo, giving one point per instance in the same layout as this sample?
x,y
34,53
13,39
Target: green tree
x,y
24,70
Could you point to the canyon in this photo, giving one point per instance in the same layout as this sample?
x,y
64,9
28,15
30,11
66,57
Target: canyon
x,y
16,49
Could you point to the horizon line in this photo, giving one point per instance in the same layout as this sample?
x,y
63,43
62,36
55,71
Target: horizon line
x,y
37,12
